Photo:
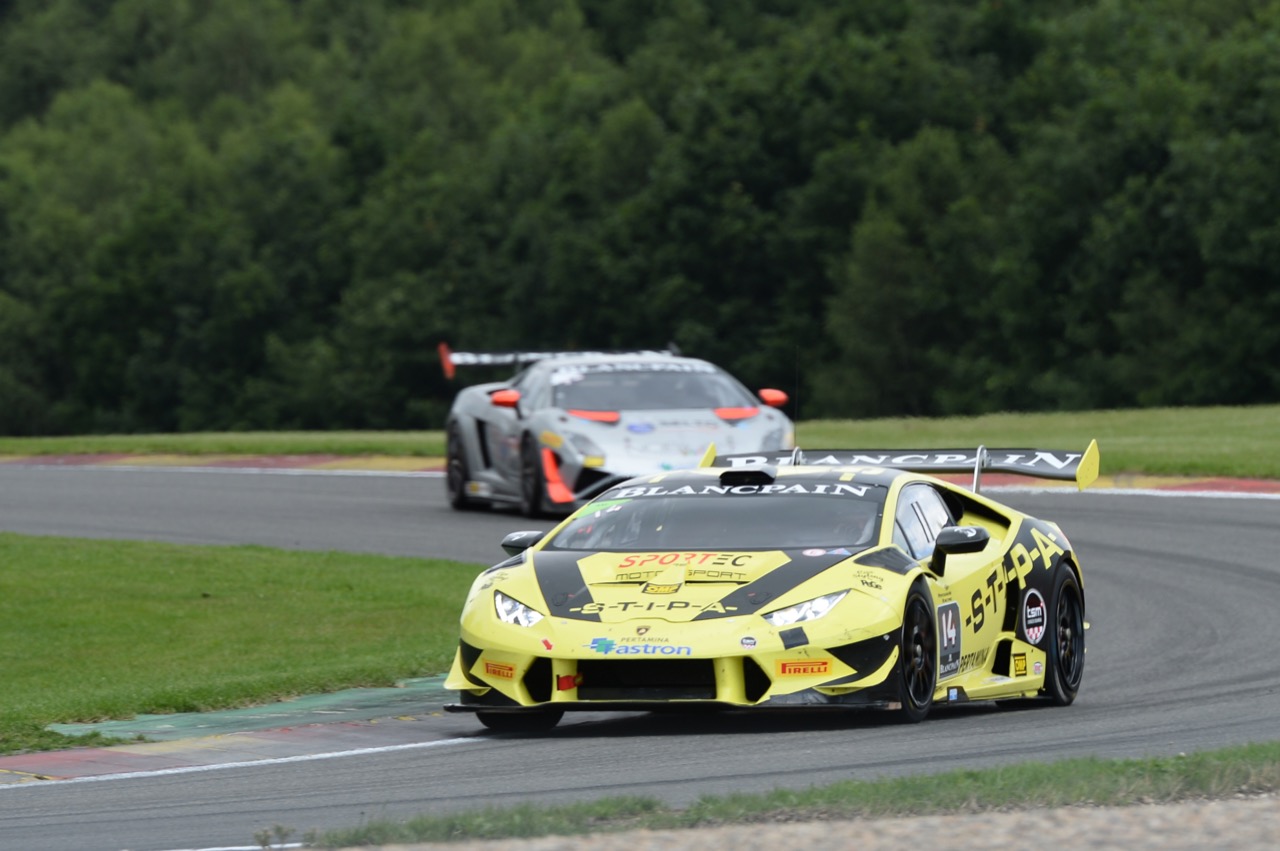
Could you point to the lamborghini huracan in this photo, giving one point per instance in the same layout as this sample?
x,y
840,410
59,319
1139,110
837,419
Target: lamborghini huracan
x,y
793,580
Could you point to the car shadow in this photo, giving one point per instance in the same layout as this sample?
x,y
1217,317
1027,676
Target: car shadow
x,y
614,725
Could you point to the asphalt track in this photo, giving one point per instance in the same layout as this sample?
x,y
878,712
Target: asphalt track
x,y
1182,592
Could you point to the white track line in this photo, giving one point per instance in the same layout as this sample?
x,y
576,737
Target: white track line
x,y
198,769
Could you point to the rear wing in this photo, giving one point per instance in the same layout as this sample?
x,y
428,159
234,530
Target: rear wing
x,y
449,359
1078,467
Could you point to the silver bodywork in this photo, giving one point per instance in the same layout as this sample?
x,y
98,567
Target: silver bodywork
x,y
578,424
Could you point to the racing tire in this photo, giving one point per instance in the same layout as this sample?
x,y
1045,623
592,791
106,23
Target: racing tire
x,y
533,721
918,656
456,471
1066,650
533,485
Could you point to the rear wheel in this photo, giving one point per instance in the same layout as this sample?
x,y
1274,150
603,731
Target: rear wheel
x,y
918,650
456,471
1066,630
531,721
532,484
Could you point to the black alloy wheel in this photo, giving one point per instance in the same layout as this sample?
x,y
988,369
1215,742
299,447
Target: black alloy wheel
x,y
1066,653
918,666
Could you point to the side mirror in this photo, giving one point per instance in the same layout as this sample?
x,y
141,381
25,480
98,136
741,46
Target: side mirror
x,y
517,542
505,398
954,540
773,398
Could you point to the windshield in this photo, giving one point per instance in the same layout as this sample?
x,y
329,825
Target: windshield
x,y
641,388
757,521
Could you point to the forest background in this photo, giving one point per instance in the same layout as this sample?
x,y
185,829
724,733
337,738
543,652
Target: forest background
x,y
265,214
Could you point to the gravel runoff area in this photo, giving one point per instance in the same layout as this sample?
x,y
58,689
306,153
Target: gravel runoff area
x,y
1229,825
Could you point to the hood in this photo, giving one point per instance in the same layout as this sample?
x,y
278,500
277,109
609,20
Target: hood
x,y
612,587
643,442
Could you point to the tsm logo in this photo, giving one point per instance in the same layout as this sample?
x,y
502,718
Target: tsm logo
x,y
1034,616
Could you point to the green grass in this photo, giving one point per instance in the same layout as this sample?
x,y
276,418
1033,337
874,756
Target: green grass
x,y
1170,441
406,443
1247,770
91,630
1241,441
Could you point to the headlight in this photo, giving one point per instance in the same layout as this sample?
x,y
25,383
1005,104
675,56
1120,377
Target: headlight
x,y
584,445
513,611
809,610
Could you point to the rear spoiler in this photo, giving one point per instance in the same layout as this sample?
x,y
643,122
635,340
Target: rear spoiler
x,y
1078,467
449,359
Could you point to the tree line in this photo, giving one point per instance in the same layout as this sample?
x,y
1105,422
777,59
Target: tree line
x,y
235,214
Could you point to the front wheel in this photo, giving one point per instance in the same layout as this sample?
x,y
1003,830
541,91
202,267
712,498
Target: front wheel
x,y
456,471
532,484
1066,653
918,649
530,721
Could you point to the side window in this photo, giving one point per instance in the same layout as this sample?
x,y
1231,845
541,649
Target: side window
x,y
534,393
900,537
921,513
908,531
933,511
521,379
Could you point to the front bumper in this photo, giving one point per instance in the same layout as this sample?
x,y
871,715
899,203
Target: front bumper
x,y
857,674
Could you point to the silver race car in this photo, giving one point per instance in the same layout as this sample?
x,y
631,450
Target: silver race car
x,y
570,425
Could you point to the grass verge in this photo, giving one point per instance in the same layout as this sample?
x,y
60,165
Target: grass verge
x,y
1222,441
92,630
1241,442
405,443
1247,770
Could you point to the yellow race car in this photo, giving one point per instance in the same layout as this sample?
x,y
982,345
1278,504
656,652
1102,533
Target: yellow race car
x,y
828,579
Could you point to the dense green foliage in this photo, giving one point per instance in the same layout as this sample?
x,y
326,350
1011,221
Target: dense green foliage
x,y
266,213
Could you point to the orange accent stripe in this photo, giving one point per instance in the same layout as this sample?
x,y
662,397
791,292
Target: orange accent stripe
x,y
556,488
736,413
446,360
595,416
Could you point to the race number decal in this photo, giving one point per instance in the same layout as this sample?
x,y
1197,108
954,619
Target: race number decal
x,y
948,640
